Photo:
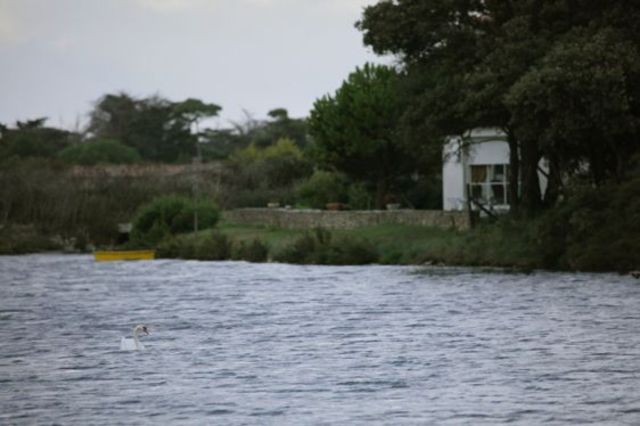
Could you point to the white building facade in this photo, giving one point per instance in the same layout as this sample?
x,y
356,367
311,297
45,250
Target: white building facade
x,y
476,165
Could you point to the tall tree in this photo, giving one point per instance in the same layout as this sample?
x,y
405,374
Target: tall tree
x,y
160,130
112,116
193,110
354,131
464,61
581,103
279,126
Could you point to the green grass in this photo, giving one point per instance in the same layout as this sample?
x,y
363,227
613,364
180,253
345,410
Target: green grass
x,y
404,244
395,243
502,245
275,238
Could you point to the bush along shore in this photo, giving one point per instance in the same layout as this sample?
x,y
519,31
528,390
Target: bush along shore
x,y
384,244
594,230
505,244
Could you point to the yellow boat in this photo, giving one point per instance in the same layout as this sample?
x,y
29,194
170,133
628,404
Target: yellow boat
x,y
110,255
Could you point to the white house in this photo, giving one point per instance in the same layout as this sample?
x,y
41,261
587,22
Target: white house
x,y
477,165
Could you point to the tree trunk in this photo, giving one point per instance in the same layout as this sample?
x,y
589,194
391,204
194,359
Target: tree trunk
x,y
514,172
381,192
554,184
531,197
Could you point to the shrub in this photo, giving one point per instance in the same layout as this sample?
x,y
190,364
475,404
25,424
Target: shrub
x,y
22,239
43,142
255,251
169,248
300,251
211,246
596,229
321,248
215,246
321,188
99,151
276,166
170,215
358,197
208,216
350,251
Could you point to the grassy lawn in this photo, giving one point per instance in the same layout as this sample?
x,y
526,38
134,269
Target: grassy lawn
x,y
395,243
488,245
275,238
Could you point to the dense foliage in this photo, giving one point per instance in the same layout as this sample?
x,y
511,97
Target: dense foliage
x,y
158,129
32,139
355,132
594,230
222,143
322,188
171,215
560,77
102,151
258,176
321,248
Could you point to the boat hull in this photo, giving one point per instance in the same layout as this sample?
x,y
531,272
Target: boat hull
x,y
114,255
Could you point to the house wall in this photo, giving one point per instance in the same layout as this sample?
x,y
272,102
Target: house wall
x,y
452,178
483,146
490,152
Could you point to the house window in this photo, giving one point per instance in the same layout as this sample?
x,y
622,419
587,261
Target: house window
x,y
488,183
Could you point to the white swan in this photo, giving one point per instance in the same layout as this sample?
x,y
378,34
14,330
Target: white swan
x,y
134,344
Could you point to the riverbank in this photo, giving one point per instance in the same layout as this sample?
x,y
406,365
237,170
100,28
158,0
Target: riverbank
x,y
566,239
23,239
541,244
487,245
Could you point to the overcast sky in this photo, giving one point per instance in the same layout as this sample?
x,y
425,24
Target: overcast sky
x,y
57,57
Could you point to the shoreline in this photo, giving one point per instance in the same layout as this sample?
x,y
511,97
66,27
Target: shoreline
x,y
503,247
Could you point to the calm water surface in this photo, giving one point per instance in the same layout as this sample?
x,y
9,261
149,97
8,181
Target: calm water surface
x,y
238,343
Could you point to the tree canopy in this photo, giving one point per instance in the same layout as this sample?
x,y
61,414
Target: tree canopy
x,y
160,130
558,76
103,151
355,130
32,138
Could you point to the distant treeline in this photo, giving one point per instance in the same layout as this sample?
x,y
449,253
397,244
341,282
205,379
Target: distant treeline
x,y
123,129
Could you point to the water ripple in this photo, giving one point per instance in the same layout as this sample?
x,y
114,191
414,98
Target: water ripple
x,y
241,343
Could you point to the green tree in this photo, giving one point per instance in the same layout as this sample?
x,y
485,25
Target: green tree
x,y
160,130
105,151
194,110
112,116
581,104
279,126
32,138
278,165
170,215
321,188
218,144
355,133
462,61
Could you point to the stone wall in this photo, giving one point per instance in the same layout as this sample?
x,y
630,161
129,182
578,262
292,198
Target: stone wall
x,y
307,219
